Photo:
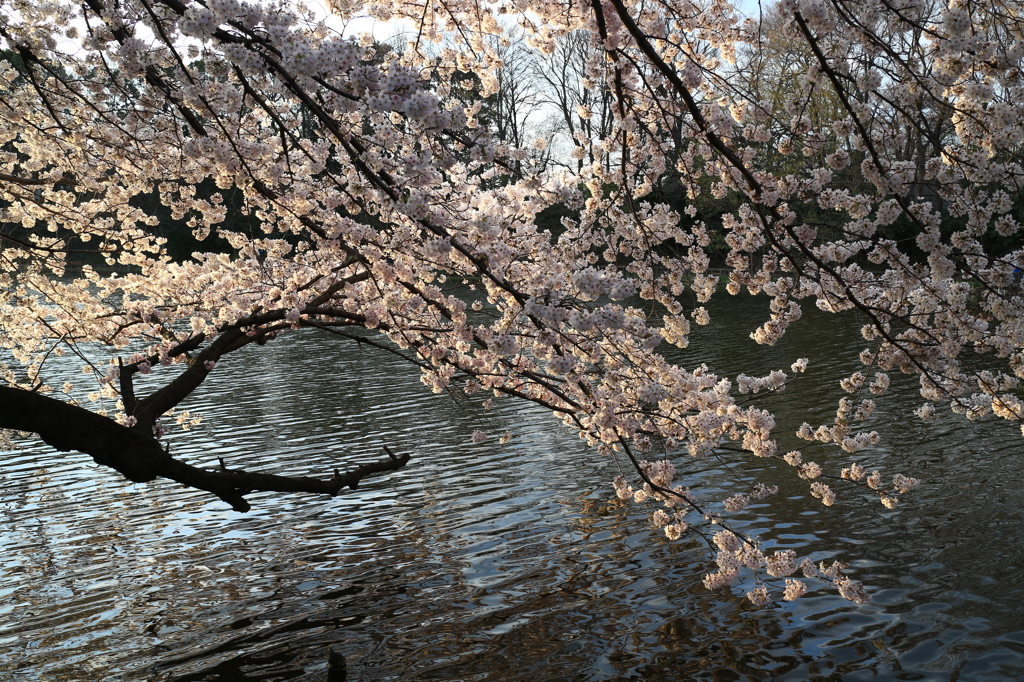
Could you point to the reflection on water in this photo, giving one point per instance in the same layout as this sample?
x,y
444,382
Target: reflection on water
x,y
491,561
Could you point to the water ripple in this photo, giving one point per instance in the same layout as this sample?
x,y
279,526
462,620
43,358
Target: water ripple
x,y
488,561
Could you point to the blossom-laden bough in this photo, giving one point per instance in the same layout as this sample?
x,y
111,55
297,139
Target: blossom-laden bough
x,y
359,190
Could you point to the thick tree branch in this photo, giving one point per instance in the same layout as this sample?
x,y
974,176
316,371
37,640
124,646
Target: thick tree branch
x,y
140,458
149,409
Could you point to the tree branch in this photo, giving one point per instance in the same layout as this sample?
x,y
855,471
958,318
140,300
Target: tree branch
x,y
140,458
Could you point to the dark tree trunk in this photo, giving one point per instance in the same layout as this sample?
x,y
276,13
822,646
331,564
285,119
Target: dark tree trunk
x,y
140,458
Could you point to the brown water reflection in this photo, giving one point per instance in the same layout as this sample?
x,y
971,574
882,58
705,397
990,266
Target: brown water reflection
x,y
494,562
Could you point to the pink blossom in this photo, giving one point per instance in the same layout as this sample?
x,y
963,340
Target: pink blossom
x,y
794,589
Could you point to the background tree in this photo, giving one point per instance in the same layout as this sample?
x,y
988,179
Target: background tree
x,y
584,106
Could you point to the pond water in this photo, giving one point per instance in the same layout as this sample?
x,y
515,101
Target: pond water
x,y
502,562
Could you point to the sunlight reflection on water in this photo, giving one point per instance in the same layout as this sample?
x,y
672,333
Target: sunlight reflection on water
x,y
491,561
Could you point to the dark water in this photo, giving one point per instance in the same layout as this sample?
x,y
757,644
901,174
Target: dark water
x,y
501,562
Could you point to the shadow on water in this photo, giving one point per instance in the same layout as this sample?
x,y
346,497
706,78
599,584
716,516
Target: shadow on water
x,y
500,562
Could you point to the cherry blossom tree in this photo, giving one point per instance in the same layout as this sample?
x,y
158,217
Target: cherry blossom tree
x,y
371,185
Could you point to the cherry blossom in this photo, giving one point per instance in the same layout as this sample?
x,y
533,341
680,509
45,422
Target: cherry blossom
x,y
360,191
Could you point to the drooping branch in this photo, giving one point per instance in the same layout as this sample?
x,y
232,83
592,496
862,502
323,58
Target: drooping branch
x,y
67,427
232,338
231,484
149,409
139,458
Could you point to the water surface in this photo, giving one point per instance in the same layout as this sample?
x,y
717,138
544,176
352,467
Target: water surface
x,y
501,562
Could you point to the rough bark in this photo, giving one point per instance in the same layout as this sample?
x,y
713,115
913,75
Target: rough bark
x,y
139,458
